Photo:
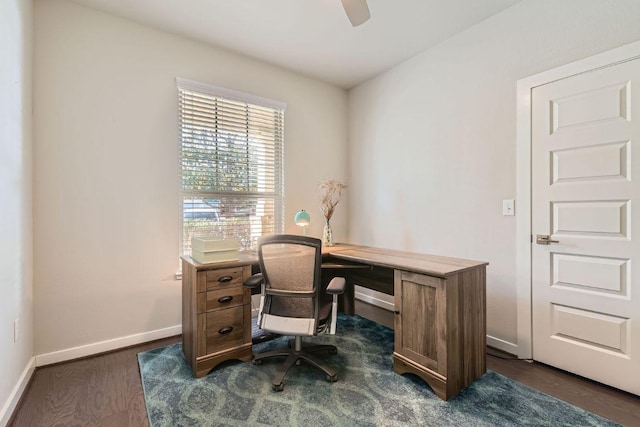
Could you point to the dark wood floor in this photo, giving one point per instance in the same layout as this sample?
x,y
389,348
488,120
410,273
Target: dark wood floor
x,y
105,390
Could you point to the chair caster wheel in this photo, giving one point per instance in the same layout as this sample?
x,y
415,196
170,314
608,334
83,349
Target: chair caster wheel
x,y
332,378
257,362
278,387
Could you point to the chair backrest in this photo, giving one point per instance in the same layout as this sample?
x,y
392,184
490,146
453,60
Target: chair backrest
x,y
291,266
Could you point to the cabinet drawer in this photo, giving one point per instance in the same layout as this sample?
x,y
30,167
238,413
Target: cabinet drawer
x,y
219,278
222,298
223,278
224,328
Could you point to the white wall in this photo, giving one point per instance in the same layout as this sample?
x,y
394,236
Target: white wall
x,y
433,141
106,169
16,259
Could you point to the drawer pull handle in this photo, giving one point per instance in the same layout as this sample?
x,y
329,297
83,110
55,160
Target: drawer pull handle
x,y
225,279
222,300
225,330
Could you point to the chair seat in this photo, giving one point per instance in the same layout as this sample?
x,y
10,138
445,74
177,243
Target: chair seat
x,y
258,335
288,325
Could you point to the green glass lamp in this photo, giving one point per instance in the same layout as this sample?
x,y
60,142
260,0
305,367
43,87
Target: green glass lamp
x,y
302,219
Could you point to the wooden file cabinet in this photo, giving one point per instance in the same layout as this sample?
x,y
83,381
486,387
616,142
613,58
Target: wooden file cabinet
x,y
440,330
216,314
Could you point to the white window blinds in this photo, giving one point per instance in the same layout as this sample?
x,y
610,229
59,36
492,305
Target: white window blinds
x,y
231,164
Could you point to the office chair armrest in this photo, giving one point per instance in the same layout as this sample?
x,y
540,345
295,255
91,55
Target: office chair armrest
x,y
254,281
336,286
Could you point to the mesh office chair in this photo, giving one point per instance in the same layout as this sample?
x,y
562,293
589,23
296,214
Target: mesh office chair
x,y
292,301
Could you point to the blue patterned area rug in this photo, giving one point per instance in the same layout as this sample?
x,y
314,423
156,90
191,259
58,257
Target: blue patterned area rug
x,y
368,392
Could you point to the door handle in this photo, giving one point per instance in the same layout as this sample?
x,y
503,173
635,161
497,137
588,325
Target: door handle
x,y
544,239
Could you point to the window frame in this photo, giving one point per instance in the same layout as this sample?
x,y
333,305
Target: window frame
x,y
247,196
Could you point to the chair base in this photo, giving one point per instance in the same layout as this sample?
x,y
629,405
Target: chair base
x,y
294,353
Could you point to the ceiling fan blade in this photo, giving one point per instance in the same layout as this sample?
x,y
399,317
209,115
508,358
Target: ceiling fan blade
x,y
357,11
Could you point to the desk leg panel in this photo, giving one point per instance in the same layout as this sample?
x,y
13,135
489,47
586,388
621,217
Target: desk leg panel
x,y
474,324
346,302
206,364
348,299
189,324
437,382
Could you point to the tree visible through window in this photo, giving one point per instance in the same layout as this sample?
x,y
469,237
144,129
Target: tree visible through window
x,y
231,164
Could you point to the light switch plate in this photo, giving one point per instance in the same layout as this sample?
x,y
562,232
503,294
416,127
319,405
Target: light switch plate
x,y
508,207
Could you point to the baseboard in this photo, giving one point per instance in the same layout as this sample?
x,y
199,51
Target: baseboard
x,y
255,305
103,346
503,345
14,398
374,301
497,343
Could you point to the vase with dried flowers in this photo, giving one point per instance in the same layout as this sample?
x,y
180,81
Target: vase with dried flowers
x,y
330,193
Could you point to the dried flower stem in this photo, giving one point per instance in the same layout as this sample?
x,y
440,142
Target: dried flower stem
x,y
330,192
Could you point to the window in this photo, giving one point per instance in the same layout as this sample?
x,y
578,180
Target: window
x,y
231,164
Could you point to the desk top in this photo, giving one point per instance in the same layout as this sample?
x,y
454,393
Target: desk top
x,y
433,265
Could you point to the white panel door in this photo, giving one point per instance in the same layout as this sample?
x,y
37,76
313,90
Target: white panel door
x,y
585,197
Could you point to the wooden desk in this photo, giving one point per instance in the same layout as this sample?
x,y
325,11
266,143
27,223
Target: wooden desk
x,y
440,322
